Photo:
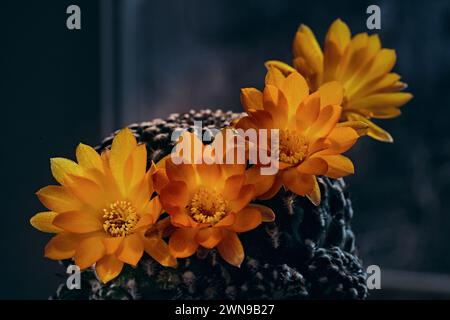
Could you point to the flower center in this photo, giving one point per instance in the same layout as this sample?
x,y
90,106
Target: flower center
x,y
293,147
207,206
120,218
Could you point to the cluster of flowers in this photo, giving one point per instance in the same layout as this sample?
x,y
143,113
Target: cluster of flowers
x,y
109,208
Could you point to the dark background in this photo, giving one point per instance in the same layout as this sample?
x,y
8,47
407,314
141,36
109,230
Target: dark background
x,y
135,60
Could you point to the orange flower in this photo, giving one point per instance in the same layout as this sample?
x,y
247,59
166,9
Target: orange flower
x,y
360,64
310,139
208,204
102,209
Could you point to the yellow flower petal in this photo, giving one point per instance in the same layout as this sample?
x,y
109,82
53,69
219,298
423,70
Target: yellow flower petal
x,y
246,194
56,198
331,93
326,121
374,131
267,214
209,237
88,158
62,246
43,221
296,89
247,219
230,249
314,166
89,251
297,182
108,268
283,67
306,46
182,243
381,100
159,250
122,147
232,187
251,98
336,41
61,167
131,249
314,195
261,182
274,77
77,222
112,244
338,166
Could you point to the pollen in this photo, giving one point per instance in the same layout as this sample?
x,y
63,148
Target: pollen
x,y
293,147
120,218
207,206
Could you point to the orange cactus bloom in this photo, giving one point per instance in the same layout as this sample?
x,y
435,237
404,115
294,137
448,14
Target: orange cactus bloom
x,y
360,64
102,209
208,204
310,139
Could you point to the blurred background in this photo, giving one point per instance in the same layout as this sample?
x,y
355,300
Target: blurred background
x,y
135,60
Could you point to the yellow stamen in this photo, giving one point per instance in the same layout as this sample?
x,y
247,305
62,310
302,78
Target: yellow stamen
x,y
207,206
120,218
293,147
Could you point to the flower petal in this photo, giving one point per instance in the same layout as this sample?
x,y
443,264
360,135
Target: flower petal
x,y
56,198
306,46
326,121
122,147
131,250
61,167
88,192
267,214
62,246
314,166
227,221
232,186
112,244
231,249
182,243
307,112
43,221
246,194
88,158
381,100
338,166
273,189
274,77
283,67
159,250
210,175
296,89
373,131
336,40
297,182
89,251
314,195
209,237
247,219
251,98
331,93
341,139
77,222
108,268
261,182
174,194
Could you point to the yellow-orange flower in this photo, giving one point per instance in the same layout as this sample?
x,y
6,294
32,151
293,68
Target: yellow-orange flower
x,y
360,64
208,204
102,209
310,139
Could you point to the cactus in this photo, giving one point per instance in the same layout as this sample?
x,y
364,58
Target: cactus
x,y
307,252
